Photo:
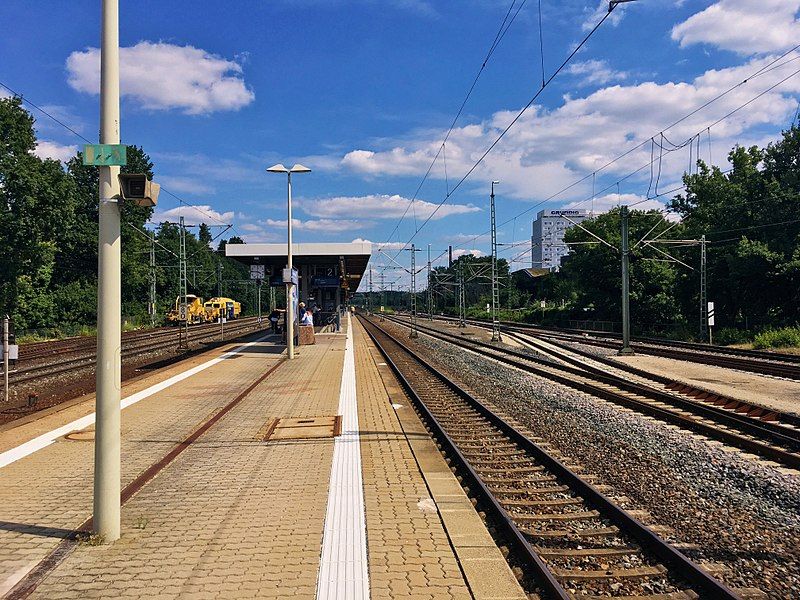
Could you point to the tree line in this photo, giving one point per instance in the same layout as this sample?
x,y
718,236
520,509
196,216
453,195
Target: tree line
x,y
48,236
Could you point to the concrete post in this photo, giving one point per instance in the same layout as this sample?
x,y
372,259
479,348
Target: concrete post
x,y
109,295
626,314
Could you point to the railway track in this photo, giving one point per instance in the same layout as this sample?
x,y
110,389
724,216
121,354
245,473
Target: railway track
x,y
752,361
777,440
81,355
572,540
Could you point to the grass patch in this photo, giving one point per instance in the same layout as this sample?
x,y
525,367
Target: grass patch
x,y
786,337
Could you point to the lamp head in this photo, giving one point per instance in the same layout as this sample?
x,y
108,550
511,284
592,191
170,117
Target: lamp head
x,y
298,168
279,168
495,182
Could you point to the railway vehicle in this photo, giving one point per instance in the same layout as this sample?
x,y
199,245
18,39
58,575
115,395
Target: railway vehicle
x,y
195,312
225,307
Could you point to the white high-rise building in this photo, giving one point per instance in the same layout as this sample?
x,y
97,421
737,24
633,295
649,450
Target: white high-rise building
x,y
547,241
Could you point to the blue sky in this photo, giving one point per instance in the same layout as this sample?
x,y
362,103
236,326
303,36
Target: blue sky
x,y
363,91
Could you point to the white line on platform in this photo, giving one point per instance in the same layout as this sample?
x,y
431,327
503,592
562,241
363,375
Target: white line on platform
x,y
343,566
44,440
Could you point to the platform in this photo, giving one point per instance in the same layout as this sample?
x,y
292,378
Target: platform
x,y
246,475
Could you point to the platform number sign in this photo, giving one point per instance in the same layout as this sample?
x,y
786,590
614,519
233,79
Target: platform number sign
x,y
105,155
710,314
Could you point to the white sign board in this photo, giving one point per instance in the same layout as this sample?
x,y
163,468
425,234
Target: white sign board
x,y
290,276
710,314
543,304
13,352
257,271
183,312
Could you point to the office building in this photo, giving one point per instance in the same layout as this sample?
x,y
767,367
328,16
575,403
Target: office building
x,y
547,241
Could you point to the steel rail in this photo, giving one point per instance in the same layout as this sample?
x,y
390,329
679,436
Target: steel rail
x,y
753,361
687,568
782,417
88,359
562,373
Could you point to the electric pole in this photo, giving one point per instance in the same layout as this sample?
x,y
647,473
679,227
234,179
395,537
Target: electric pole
x,y
703,291
383,293
183,307
495,283
151,307
626,315
413,292
369,293
219,279
106,515
430,291
461,316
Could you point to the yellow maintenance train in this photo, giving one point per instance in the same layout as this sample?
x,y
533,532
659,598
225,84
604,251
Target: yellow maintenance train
x,y
199,312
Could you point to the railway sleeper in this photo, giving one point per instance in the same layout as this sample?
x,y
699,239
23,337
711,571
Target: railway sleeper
x,y
632,573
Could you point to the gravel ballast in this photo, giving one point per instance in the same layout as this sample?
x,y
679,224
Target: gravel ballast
x,y
738,511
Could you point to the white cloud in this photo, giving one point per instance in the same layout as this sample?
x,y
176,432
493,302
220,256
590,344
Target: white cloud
x,y
743,26
380,246
338,225
54,150
593,16
548,150
595,72
462,251
379,206
163,76
193,215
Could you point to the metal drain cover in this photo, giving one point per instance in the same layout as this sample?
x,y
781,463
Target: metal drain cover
x,y
303,428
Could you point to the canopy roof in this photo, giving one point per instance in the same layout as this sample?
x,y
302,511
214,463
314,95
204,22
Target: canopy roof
x,y
352,258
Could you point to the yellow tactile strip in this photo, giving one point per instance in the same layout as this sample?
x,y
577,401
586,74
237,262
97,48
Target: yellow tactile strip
x,y
424,537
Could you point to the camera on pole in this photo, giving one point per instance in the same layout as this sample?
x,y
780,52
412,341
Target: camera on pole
x,y
137,188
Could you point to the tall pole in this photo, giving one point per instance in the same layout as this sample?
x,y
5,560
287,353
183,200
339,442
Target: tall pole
x,y
461,295
369,293
495,283
430,291
152,305
703,291
272,304
6,350
106,517
183,305
219,278
289,285
626,315
413,291
258,283
383,293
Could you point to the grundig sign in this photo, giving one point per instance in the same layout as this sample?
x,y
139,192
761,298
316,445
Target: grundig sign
x,y
568,213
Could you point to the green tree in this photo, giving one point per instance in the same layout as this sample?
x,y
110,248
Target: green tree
x,y
37,211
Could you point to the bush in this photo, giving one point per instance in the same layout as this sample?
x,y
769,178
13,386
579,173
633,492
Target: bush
x,y
727,336
778,338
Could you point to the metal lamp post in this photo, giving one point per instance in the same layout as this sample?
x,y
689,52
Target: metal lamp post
x,y
279,168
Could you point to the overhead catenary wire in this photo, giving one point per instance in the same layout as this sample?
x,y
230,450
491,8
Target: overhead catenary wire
x,y
501,32
511,124
705,129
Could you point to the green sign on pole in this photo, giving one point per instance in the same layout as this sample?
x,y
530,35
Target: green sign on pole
x,y
105,155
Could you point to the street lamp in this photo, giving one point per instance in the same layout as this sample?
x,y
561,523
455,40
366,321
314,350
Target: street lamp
x,y
287,275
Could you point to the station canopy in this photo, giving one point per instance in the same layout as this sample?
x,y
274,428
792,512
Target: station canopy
x,y
347,260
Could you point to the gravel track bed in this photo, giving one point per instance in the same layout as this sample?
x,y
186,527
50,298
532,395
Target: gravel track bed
x,y
739,511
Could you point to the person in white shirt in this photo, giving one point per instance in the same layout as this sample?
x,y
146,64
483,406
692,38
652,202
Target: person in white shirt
x,y
307,318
